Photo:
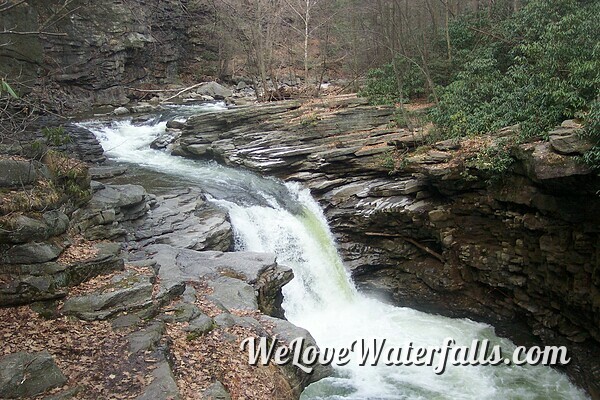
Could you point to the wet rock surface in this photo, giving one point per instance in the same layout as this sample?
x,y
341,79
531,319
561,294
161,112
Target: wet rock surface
x,y
186,219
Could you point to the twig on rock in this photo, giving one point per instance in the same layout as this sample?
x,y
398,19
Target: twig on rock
x,y
411,241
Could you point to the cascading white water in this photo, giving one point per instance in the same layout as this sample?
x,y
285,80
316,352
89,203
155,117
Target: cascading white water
x,y
285,220
323,300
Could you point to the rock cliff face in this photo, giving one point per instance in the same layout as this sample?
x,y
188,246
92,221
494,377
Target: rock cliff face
x,y
95,50
425,224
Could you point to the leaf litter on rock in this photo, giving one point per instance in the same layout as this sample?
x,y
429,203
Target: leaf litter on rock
x,y
88,353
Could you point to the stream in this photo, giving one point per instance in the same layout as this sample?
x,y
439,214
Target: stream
x,y
269,215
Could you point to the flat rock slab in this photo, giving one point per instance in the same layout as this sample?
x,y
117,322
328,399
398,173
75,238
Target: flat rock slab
x,y
163,386
31,253
28,374
233,294
105,172
189,265
238,278
248,266
127,292
226,320
186,219
146,338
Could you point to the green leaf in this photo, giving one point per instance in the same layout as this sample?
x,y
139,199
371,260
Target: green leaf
x,y
6,87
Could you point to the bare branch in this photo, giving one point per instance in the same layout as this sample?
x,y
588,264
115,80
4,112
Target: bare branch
x,y
32,33
4,9
411,241
183,91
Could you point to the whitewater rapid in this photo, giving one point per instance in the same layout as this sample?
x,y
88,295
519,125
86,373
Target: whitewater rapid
x,y
270,216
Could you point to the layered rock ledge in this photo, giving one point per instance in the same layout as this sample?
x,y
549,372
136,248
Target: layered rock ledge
x,y
127,293
429,224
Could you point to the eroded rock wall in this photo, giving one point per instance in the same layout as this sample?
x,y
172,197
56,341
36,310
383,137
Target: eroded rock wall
x,y
95,50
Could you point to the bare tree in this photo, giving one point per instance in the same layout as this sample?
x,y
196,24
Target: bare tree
x,y
306,11
257,26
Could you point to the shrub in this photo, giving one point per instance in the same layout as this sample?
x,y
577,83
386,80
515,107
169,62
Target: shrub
x,y
389,85
549,73
592,131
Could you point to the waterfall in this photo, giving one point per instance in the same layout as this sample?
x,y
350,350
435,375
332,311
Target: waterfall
x,y
270,216
322,299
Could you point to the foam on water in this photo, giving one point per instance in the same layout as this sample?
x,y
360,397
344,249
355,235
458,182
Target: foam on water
x,y
322,299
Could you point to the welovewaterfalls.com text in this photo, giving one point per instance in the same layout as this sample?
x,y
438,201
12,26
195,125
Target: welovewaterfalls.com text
x,y
373,352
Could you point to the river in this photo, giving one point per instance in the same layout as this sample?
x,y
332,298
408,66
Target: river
x,y
282,218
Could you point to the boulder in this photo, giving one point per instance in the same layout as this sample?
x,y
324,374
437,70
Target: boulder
x,y
567,139
118,196
121,111
17,173
298,379
28,375
175,124
269,284
200,325
216,391
23,228
143,108
110,206
181,312
28,289
165,139
82,143
544,164
31,253
215,90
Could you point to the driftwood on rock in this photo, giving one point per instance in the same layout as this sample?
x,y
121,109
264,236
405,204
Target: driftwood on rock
x,y
179,91
411,241
182,92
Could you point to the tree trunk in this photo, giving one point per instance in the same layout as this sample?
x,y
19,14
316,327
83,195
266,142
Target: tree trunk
x,y
306,37
448,44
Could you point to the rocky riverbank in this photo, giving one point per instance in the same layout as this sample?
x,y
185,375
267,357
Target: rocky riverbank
x,y
124,294
433,224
